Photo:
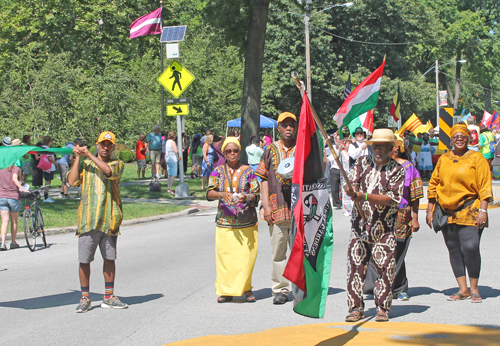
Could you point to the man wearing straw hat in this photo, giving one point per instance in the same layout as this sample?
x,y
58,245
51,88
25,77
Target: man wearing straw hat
x,y
377,184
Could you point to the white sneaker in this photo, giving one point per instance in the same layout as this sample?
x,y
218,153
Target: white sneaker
x,y
61,195
48,200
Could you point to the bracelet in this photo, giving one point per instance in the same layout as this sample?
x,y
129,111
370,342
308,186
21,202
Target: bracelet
x,y
366,196
429,210
483,210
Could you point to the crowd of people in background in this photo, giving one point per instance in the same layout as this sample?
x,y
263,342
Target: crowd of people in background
x,y
204,151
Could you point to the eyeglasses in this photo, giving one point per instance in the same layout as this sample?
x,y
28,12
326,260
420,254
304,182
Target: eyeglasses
x,y
459,137
234,151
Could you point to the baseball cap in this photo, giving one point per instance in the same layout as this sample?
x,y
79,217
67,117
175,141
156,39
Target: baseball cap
x,y
7,141
286,115
107,136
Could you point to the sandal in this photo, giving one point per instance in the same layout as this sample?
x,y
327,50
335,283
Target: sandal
x,y
250,298
355,315
224,299
457,296
381,316
476,298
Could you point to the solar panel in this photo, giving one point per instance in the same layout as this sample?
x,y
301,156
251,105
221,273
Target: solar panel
x,y
173,33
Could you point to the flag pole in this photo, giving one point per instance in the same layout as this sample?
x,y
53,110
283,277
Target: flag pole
x,y
327,139
162,67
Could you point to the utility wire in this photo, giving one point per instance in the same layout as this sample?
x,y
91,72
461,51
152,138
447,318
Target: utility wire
x,y
372,43
468,83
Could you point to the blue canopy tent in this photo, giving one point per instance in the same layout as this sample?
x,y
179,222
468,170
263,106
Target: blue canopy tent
x,y
265,123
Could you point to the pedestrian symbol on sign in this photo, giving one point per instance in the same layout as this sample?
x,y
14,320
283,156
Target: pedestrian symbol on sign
x,y
175,79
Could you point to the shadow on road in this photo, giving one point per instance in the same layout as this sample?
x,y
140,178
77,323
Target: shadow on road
x,y
401,310
71,298
263,293
344,338
332,290
421,291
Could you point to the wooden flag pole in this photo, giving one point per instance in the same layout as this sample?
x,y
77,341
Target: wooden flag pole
x,y
327,139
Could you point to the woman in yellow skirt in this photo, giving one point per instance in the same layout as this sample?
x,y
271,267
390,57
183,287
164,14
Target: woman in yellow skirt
x,y
236,233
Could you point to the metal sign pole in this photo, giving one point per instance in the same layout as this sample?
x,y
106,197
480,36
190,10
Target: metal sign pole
x,y
181,190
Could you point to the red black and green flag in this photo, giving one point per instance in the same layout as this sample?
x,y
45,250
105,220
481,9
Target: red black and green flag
x,y
308,266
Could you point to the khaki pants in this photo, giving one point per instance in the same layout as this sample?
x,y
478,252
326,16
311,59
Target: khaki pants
x,y
280,235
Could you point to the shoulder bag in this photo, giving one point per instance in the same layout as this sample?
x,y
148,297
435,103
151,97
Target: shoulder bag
x,y
440,217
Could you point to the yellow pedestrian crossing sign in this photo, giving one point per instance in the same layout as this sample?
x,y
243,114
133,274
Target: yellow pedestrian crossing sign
x,y
178,109
176,79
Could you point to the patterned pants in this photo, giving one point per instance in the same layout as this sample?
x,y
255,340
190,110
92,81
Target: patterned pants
x,y
358,255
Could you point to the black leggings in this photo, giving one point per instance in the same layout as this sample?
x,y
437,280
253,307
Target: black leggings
x,y
463,245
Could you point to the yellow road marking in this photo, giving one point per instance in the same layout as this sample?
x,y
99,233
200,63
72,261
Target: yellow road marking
x,y
357,334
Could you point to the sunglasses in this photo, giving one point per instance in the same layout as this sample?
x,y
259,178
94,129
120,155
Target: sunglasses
x,y
459,137
234,151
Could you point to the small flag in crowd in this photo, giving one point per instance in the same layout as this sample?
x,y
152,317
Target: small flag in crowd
x,y
495,124
487,119
362,99
347,90
149,24
428,126
308,266
365,121
413,124
395,106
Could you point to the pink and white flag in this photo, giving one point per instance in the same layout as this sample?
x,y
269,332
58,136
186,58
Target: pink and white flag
x,y
487,119
149,24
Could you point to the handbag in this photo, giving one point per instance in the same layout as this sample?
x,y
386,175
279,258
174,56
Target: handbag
x,y
44,164
245,215
154,186
215,154
440,217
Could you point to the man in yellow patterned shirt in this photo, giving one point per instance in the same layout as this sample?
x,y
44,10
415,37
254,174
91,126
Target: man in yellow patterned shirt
x,y
99,215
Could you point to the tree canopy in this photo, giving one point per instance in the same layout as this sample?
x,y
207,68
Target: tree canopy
x,y
68,68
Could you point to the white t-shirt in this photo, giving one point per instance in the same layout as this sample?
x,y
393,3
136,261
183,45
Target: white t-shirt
x,y
170,155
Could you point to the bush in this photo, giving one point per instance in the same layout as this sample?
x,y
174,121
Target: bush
x,y
126,156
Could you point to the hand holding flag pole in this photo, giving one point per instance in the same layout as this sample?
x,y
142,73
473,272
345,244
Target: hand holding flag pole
x,y
300,85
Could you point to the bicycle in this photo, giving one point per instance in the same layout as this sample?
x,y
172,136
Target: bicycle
x,y
33,219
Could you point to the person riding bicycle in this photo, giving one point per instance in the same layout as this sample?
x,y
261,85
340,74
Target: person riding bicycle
x,y
99,215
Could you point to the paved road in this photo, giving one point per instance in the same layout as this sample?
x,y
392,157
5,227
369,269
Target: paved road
x,y
166,273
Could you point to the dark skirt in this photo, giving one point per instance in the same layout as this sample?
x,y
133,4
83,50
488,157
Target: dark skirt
x,y
36,173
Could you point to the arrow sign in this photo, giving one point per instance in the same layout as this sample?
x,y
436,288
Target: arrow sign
x,y
178,109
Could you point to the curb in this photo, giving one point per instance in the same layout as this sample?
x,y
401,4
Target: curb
x,y
70,229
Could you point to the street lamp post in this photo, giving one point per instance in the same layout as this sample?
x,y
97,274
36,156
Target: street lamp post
x,y
436,67
308,51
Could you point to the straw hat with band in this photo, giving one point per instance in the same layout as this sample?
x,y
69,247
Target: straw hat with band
x,y
384,136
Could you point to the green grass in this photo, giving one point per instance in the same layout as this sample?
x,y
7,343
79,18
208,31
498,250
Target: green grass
x,y
63,212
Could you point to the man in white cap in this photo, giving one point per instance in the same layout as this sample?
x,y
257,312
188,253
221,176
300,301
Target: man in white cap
x,y
377,182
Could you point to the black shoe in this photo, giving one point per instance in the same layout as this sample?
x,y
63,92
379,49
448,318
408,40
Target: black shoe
x,y
280,298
